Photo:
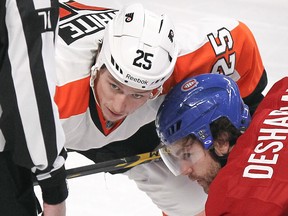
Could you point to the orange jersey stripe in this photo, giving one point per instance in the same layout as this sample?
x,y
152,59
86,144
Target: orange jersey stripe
x,y
63,12
248,61
77,6
85,7
73,98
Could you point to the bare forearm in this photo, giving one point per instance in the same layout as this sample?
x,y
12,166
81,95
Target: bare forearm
x,y
54,210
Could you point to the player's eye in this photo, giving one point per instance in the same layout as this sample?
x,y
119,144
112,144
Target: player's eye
x,y
137,96
114,86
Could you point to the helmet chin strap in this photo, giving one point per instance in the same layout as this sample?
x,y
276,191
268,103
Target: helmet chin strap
x,y
94,69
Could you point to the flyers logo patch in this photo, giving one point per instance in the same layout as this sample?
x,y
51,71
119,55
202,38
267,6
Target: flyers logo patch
x,y
79,20
129,17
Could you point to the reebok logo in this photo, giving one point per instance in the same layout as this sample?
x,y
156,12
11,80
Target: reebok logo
x,y
137,80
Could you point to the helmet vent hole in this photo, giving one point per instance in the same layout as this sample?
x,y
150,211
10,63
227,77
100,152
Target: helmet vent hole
x,y
112,60
161,24
116,65
169,57
175,127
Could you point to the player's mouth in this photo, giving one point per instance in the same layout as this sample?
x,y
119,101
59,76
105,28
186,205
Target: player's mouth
x,y
113,116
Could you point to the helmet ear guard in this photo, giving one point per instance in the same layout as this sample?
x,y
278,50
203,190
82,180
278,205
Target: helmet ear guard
x,y
139,48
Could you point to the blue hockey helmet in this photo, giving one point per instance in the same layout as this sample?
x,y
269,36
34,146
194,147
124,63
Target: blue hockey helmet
x,y
192,105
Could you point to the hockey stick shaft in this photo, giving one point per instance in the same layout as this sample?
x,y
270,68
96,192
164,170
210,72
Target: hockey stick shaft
x,y
111,165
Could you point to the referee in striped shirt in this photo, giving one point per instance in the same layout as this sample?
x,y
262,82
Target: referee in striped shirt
x,y
31,137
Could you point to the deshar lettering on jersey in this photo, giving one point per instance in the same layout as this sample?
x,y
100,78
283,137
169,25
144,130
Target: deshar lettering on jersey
x,y
271,139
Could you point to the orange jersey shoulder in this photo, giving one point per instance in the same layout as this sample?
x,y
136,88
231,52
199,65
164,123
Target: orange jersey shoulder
x,y
73,98
231,51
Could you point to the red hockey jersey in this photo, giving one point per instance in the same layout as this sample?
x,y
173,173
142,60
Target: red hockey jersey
x,y
254,181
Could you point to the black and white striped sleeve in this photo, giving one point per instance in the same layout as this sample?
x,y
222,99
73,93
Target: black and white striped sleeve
x,y
29,124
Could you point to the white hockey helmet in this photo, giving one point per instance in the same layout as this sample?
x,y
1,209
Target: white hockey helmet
x,y
139,48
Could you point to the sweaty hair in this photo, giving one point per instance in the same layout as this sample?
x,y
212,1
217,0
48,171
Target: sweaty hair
x,y
223,127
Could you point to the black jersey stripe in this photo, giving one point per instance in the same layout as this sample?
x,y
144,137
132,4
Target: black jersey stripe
x,y
34,36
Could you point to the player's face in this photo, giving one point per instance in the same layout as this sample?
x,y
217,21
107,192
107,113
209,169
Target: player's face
x,y
116,99
204,171
196,162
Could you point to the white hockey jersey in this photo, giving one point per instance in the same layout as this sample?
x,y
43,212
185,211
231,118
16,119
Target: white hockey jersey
x,y
207,45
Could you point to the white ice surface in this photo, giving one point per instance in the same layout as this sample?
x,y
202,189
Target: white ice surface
x,y
106,195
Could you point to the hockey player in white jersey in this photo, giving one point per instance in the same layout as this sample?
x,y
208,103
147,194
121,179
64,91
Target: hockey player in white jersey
x,y
111,83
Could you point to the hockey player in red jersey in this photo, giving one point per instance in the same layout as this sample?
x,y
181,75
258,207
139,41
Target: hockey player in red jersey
x,y
108,111
245,174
